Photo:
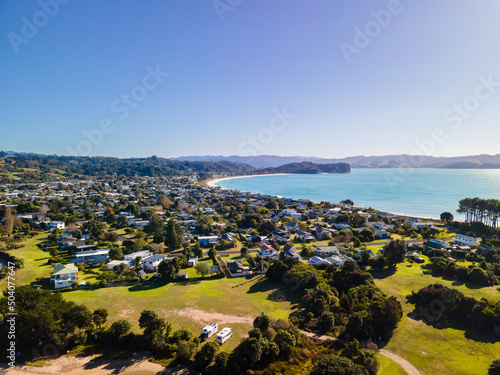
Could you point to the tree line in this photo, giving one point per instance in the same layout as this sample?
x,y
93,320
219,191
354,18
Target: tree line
x,y
475,209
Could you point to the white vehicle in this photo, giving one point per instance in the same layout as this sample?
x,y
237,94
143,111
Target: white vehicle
x,y
224,335
209,330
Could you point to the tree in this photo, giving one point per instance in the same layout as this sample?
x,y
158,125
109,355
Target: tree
x,y
221,361
202,268
394,252
171,237
147,317
156,248
111,237
197,250
335,365
494,368
99,317
355,241
94,227
206,355
169,269
212,253
263,322
119,328
446,217
185,351
244,251
116,253
8,221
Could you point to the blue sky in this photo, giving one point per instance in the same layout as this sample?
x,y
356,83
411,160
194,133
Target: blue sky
x,y
230,77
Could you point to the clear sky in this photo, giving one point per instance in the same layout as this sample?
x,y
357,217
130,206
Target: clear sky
x,y
328,78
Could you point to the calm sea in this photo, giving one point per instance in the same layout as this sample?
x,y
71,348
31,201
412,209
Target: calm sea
x,y
415,192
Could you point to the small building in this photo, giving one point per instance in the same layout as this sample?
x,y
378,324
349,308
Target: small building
x,y
64,276
381,233
235,266
462,239
56,225
192,261
437,244
183,275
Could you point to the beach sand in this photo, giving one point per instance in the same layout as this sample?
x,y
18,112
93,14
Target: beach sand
x,y
71,365
213,182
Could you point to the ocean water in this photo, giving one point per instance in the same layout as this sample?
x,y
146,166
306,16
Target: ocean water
x,y
415,192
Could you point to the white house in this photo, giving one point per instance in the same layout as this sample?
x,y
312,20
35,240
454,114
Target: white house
x,y
141,254
462,239
192,261
291,252
290,212
208,240
151,263
64,276
95,256
56,224
114,263
422,225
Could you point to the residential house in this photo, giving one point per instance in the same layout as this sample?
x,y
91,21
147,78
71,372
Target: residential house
x,y
64,276
462,239
207,241
235,266
92,257
381,233
291,252
437,244
290,212
150,264
267,251
422,225
304,236
314,261
280,236
56,224
326,251
292,226
256,239
112,264
141,254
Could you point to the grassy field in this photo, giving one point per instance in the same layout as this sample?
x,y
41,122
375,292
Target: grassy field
x,y
389,367
191,304
35,262
438,351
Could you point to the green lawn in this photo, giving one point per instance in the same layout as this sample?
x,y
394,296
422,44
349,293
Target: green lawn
x,y
431,350
35,262
389,367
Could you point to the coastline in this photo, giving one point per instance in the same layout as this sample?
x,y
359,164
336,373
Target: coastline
x,y
213,181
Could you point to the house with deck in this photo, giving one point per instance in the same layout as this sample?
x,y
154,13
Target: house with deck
x,y
64,276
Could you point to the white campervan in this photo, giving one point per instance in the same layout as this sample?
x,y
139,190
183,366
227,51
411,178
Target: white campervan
x,y
209,331
224,335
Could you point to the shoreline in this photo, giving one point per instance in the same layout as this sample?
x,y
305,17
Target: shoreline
x,y
213,181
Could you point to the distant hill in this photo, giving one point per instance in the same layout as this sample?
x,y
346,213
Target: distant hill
x,y
34,167
387,161
308,168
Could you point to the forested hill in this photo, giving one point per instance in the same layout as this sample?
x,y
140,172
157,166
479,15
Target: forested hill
x,y
35,167
309,168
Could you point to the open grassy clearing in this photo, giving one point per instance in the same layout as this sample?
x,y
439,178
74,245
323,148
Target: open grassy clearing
x,y
191,304
431,350
35,262
388,367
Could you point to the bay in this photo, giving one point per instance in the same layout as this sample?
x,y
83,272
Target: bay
x,y
418,192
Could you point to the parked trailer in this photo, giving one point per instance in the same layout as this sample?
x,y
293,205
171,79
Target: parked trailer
x,y
209,331
224,335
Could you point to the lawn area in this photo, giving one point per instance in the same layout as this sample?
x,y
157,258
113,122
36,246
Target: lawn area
x,y
189,304
431,350
389,367
35,262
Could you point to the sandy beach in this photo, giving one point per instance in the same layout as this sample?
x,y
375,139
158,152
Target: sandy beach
x,y
71,365
213,182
